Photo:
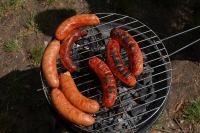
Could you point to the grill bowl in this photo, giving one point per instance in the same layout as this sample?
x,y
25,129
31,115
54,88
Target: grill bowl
x,y
136,107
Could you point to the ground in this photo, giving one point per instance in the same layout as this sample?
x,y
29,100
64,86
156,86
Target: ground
x,y
26,27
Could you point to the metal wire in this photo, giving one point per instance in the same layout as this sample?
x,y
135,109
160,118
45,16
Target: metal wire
x,y
82,45
135,90
87,74
98,40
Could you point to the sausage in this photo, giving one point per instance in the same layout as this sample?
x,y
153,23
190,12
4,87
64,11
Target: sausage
x,y
132,48
71,92
49,63
65,49
107,81
75,22
117,65
68,111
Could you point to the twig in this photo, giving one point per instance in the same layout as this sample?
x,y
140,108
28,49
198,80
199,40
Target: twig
x,y
178,106
176,121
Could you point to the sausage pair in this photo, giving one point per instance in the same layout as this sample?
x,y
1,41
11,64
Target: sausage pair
x,y
71,104
119,37
68,111
132,49
68,31
117,65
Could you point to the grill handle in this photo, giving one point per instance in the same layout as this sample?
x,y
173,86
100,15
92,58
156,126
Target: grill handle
x,y
178,34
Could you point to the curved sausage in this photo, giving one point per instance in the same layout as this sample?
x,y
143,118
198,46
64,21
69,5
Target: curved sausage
x,y
49,63
71,92
134,53
68,111
75,22
117,65
107,81
65,49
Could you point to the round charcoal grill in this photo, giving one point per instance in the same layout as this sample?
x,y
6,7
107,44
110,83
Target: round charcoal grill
x,y
137,107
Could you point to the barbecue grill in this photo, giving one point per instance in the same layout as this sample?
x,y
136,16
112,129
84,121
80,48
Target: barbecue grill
x,y
137,107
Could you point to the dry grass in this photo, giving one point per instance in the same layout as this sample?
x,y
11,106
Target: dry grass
x,y
30,22
12,45
7,5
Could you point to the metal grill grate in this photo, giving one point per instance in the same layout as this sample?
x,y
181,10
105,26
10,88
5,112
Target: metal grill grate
x,y
135,107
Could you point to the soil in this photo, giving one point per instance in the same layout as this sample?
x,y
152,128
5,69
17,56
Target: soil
x,y
22,102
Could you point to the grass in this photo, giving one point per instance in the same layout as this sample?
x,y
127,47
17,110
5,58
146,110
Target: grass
x,y
12,45
36,55
7,5
30,26
30,22
192,112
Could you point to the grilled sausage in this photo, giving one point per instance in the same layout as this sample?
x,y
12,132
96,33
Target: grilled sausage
x,y
65,49
68,111
49,63
107,81
75,22
71,92
134,53
117,65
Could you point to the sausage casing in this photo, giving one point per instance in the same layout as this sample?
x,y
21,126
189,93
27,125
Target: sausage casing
x,y
49,63
65,49
132,48
107,81
68,111
117,65
71,92
75,22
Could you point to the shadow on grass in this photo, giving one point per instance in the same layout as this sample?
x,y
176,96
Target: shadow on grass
x,y
49,20
24,109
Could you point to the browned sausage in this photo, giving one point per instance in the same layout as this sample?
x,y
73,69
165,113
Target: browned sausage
x,y
68,111
75,22
132,49
49,63
117,65
71,92
107,81
65,49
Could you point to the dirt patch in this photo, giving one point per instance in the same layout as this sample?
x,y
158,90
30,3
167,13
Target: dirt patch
x,y
185,88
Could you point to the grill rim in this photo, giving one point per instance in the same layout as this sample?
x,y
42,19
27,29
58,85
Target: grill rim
x,y
163,58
